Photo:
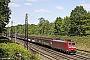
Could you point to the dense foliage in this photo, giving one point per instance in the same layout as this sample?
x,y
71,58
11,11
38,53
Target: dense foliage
x,y
80,22
4,14
8,49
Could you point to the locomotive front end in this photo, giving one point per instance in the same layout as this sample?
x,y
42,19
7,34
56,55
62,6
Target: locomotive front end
x,y
71,47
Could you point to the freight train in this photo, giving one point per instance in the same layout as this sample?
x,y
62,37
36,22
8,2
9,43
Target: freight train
x,y
67,46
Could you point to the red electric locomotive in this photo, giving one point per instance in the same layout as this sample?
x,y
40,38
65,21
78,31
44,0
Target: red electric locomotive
x,y
66,46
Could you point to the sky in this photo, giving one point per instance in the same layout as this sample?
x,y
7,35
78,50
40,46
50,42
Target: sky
x,y
48,9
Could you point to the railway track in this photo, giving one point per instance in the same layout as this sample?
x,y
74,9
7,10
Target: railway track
x,y
82,56
58,56
85,54
38,49
43,55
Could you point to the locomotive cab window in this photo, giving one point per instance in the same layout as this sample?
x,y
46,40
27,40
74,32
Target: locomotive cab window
x,y
70,44
73,43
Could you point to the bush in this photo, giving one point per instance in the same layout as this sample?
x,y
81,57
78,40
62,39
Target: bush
x,y
9,49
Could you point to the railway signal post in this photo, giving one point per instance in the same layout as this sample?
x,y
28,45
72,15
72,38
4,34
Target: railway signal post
x,y
26,31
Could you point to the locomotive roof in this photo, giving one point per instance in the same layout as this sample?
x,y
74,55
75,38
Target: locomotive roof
x,y
59,40
63,40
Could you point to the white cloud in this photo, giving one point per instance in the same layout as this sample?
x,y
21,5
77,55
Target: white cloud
x,y
42,11
14,5
86,6
28,4
60,7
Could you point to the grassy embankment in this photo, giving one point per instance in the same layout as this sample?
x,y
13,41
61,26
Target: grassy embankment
x,y
8,49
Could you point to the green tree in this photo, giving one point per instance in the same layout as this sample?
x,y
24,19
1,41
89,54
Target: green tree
x,y
44,26
88,23
4,13
20,29
51,31
58,25
66,25
32,29
40,25
78,20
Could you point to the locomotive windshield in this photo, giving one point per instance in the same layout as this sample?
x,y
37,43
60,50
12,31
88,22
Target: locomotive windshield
x,y
71,44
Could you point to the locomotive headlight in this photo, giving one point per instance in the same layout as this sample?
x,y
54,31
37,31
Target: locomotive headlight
x,y
70,47
73,47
